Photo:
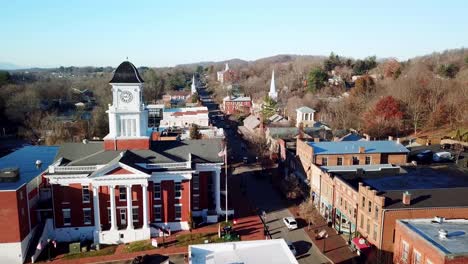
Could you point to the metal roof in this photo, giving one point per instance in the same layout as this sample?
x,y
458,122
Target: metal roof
x,y
352,147
25,159
305,109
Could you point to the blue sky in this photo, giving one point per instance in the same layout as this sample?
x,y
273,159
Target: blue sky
x,y
166,33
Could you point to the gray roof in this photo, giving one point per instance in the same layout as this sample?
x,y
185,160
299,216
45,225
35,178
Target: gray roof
x,y
305,109
426,198
455,244
290,132
202,151
251,122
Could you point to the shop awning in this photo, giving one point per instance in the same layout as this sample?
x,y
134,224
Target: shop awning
x,y
360,244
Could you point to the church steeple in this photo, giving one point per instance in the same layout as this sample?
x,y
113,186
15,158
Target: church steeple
x,y
194,87
273,94
227,67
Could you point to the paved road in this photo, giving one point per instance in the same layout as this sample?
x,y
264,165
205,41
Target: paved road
x,y
265,197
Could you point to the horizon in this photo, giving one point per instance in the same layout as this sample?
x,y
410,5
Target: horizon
x,y
84,33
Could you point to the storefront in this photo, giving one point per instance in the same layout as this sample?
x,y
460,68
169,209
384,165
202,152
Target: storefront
x,y
343,224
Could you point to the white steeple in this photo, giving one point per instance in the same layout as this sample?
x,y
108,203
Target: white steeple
x,y
227,67
273,94
194,88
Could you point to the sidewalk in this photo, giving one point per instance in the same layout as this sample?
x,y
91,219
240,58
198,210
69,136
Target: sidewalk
x,y
335,247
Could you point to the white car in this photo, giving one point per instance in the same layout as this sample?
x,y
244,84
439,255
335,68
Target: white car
x,y
292,248
290,223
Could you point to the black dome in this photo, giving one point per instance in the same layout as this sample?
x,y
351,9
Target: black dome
x,y
126,73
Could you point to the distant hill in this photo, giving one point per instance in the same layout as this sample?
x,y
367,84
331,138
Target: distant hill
x,y
9,66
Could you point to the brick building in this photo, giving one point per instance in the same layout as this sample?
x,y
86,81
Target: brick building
x,y
111,191
431,241
240,104
21,194
122,189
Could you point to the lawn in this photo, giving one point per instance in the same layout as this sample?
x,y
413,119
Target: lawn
x,y
138,246
105,250
181,241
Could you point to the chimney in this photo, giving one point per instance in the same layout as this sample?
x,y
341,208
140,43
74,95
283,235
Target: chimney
x,y
367,137
316,139
443,234
301,131
390,138
406,198
398,140
362,150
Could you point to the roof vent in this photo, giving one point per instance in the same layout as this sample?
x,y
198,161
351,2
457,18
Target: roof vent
x,y
38,164
362,149
443,234
9,175
406,198
438,219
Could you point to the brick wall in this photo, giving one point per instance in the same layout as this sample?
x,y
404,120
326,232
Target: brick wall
x,y
14,226
369,218
390,218
125,144
415,242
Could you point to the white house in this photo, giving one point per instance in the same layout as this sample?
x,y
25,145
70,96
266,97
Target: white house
x,y
305,115
185,117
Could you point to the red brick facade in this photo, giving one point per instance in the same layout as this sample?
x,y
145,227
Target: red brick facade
x,y
406,240
14,215
127,144
232,107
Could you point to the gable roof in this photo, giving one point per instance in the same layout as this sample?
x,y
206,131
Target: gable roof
x,y
305,109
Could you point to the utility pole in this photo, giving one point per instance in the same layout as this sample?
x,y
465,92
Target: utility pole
x,y
226,176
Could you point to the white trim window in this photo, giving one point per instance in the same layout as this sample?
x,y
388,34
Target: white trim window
x,y
368,160
85,193
122,193
324,161
87,216
178,211
404,251
135,215
339,161
157,191
416,257
157,213
177,190
66,213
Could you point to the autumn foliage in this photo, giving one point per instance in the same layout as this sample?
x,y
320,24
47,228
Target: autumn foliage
x,y
384,118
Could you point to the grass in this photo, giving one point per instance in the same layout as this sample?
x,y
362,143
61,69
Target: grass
x,y
138,246
106,250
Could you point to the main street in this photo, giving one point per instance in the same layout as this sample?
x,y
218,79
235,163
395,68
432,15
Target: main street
x,y
263,195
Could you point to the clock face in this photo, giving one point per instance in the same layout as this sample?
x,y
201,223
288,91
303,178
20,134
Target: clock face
x,y
126,96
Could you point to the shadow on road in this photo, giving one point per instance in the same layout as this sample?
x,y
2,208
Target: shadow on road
x,y
302,247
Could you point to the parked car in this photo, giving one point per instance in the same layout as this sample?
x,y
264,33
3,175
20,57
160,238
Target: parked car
x,y
290,223
292,248
425,155
442,156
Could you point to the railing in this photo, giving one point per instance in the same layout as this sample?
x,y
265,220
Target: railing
x,y
57,169
178,165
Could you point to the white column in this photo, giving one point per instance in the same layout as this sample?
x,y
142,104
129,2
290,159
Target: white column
x,y
113,209
217,183
97,220
144,190
129,208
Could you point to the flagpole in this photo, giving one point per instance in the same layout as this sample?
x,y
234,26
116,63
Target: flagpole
x,y
226,180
